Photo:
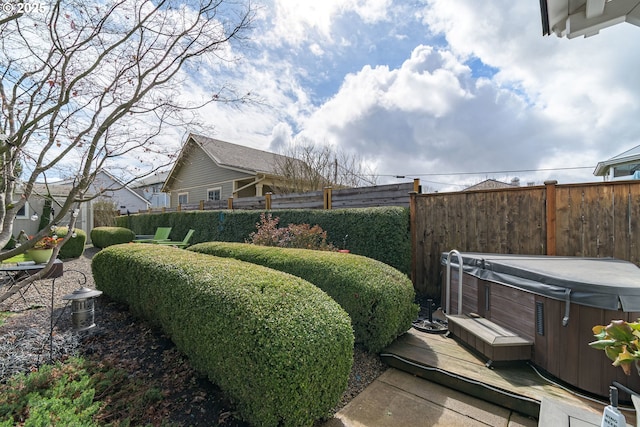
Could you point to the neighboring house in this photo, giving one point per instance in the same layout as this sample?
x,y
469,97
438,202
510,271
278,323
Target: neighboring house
x,y
489,184
28,218
575,18
151,189
208,169
125,199
623,166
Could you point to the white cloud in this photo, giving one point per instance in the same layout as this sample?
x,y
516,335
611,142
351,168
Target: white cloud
x,y
544,103
295,22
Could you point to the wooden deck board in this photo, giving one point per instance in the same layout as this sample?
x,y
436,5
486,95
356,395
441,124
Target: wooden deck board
x,y
447,361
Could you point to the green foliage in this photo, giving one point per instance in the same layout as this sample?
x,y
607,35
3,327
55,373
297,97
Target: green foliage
x,y
45,218
53,395
378,298
74,247
277,345
69,394
3,316
378,233
11,243
620,341
103,237
301,236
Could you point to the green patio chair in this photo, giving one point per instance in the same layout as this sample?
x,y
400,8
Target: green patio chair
x,y
162,234
183,244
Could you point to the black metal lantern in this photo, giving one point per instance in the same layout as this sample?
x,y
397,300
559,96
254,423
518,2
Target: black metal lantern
x,y
82,308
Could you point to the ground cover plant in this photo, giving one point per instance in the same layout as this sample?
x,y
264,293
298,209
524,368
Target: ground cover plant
x,y
135,373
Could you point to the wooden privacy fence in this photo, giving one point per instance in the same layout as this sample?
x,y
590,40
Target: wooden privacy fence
x,y
378,195
587,220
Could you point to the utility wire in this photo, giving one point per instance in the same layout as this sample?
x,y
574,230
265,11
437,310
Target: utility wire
x,y
489,172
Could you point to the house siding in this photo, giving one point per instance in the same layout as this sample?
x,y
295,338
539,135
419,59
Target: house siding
x,y
126,200
200,174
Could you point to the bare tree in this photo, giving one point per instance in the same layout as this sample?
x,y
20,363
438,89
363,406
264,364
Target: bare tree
x,y
91,85
307,166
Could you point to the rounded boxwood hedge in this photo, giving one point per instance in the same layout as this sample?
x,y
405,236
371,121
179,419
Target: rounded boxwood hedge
x,y
74,247
378,298
277,345
103,237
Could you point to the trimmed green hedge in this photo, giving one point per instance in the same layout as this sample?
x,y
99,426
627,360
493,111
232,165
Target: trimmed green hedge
x,y
378,298
74,247
103,237
378,233
281,348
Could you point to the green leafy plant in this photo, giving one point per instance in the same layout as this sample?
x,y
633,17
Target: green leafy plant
x,y
74,247
102,237
378,298
620,341
3,316
78,392
54,395
237,321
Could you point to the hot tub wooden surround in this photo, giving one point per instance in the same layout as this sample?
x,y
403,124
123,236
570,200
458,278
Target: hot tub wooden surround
x,y
545,318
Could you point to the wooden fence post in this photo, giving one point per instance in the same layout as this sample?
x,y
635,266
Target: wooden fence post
x,y
179,208
416,185
230,203
327,198
413,236
201,205
267,201
550,187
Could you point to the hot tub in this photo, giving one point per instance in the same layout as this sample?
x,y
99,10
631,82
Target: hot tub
x,y
554,302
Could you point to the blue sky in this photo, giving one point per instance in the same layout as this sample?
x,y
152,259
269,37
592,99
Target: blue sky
x,y
449,91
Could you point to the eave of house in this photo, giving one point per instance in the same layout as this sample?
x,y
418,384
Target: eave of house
x,y
235,160
575,18
166,187
631,156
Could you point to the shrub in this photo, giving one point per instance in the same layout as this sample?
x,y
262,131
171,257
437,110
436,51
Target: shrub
x,y
378,298
301,236
11,244
277,345
74,247
378,233
53,395
103,237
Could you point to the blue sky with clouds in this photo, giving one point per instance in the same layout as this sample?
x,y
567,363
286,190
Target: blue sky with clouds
x,y
450,91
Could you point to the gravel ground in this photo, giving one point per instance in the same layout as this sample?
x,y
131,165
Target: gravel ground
x,y
24,345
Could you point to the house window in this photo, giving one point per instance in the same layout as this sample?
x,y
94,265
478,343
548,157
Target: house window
x,y
183,198
214,193
23,212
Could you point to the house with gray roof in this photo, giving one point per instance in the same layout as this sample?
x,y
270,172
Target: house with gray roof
x,y
625,165
209,169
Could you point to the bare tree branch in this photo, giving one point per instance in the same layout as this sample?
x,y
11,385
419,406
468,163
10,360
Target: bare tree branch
x,y
307,166
92,85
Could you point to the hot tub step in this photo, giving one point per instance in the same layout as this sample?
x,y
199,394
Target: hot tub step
x,y
493,341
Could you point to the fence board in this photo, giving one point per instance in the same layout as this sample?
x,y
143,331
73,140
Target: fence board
x,y
589,220
374,196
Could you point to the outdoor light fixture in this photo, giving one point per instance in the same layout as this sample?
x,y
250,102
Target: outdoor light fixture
x,y
34,217
82,308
